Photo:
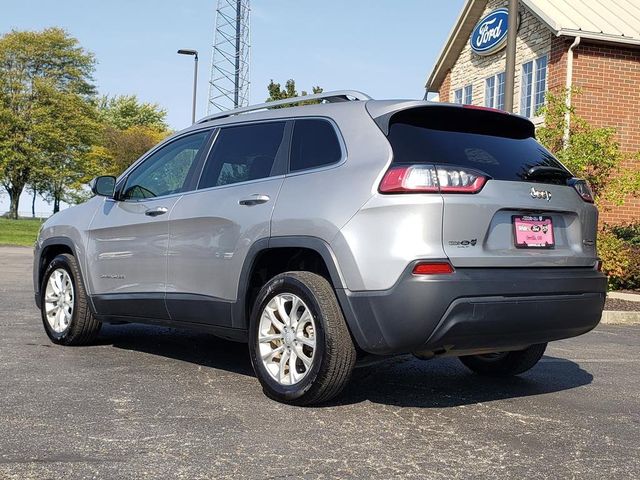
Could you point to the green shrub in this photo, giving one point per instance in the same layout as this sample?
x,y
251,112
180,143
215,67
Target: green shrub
x,y
630,233
619,249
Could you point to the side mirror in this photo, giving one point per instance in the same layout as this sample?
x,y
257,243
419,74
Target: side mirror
x,y
104,186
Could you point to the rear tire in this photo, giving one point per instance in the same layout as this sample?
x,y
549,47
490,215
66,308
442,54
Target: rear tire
x,y
300,346
505,364
65,311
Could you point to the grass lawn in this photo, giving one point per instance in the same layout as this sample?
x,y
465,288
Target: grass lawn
x,y
19,232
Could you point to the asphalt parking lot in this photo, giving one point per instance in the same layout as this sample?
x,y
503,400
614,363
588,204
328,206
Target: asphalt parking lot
x,y
156,402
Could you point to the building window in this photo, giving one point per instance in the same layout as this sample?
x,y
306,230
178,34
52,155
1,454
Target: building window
x,y
532,91
457,96
463,95
500,94
490,92
468,94
526,87
541,83
494,91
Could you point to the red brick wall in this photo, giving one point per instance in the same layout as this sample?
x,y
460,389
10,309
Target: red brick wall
x,y
609,78
557,70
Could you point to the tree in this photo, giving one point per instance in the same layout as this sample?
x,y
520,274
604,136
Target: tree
x,y
38,70
126,111
129,129
120,148
68,141
277,93
592,153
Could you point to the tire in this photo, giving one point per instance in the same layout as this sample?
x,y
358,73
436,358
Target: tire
x,y
506,363
328,365
78,327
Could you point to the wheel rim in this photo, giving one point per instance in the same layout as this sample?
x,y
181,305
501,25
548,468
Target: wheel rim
x,y
287,338
58,300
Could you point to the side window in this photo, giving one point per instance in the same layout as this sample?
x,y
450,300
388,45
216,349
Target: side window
x,y
166,171
242,153
314,144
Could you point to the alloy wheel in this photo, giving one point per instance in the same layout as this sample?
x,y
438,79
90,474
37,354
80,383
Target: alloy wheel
x,y
287,338
58,300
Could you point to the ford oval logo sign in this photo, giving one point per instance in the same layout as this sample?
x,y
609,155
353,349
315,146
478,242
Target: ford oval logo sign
x,y
490,34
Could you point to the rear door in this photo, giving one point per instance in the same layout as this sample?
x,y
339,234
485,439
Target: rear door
x,y
525,215
212,229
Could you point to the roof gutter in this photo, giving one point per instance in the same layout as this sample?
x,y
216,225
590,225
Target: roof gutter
x,y
568,85
632,42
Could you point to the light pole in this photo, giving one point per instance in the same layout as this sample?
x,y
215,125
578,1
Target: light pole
x,y
187,51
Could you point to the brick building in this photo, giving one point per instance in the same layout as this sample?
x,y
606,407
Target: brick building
x,y
590,44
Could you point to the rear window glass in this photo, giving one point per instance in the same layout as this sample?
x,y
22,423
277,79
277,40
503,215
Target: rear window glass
x,y
314,144
499,145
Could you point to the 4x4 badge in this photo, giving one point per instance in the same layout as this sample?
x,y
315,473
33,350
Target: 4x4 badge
x,y
543,194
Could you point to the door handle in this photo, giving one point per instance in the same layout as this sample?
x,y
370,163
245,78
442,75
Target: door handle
x,y
255,199
154,212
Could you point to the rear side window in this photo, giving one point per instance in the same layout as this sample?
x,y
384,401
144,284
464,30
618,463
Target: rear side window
x,y
315,144
499,145
243,153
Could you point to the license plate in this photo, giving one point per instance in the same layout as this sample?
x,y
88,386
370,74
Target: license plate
x,y
533,231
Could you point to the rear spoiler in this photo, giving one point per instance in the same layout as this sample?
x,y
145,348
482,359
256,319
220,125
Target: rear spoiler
x,y
383,111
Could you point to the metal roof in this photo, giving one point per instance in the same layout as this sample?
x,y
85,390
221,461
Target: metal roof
x,y
609,21
616,21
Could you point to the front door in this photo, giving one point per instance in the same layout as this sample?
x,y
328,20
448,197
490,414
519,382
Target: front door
x,y
212,229
128,237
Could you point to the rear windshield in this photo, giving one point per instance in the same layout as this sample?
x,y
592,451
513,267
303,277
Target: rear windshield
x,y
499,145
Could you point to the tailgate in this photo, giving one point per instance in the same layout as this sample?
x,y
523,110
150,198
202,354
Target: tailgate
x,y
523,213
479,230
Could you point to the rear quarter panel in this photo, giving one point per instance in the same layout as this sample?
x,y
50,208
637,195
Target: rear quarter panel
x,y
386,234
319,202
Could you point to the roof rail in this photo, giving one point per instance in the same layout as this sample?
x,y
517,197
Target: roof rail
x,y
330,97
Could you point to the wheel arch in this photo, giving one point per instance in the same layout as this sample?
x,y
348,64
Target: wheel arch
x,y
48,250
289,253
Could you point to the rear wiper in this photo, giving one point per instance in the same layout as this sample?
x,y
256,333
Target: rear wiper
x,y
542,171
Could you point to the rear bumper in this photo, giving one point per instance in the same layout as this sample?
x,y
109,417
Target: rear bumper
x,y
476,310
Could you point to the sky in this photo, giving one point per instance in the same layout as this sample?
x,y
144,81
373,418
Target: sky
x,y
384,48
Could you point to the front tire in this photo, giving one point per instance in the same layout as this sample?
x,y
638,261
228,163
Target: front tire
x,y
65,312
505,364
299,343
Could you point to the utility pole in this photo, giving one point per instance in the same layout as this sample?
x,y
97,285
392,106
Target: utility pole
x,y
510,69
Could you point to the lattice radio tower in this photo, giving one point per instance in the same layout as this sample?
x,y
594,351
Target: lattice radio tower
x,y
229,80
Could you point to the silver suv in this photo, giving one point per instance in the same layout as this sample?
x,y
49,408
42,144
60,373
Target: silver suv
x,y
323,233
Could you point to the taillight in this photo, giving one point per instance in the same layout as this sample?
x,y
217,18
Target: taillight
x,y
431,179
583,189
410,178
460,181
432,268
